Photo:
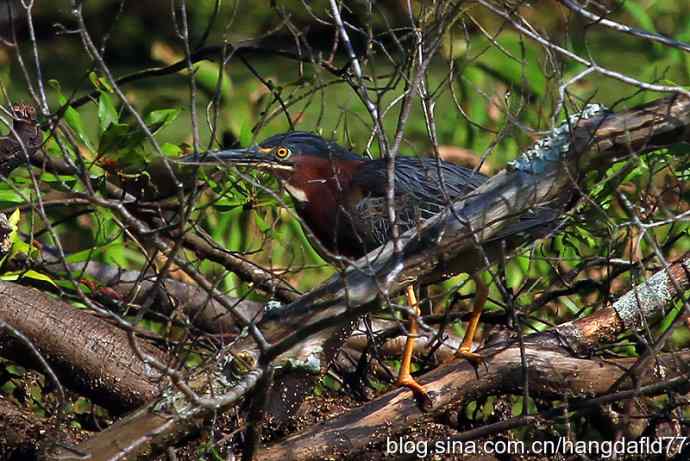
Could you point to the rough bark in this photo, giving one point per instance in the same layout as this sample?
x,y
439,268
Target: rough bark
x,y
553,372
160,424
552,375
165,297
88,354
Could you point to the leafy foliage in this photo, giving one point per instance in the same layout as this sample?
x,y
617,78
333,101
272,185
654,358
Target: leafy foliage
x,y
487,85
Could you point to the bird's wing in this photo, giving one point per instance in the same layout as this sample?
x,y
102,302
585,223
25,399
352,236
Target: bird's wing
x,y
425,179
423,188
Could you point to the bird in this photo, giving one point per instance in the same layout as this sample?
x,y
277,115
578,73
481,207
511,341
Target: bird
x,y
341,197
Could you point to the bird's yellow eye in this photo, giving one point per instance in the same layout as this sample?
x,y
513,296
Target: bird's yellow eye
x,y
282,152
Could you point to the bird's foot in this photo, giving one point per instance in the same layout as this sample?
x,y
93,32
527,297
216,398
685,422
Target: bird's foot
x,y
420,394
475,359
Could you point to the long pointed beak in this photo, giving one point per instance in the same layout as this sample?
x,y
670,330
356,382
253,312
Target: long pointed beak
x,y
234,157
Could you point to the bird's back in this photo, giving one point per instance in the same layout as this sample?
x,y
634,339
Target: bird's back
x,y
423,188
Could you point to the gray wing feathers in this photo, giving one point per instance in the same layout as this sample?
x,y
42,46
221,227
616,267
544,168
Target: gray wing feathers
x,y
420,194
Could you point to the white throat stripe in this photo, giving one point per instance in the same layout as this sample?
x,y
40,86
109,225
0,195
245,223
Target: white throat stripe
x,y
296,193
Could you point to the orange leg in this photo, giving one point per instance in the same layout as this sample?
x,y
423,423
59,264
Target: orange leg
x,y
404,376
465,349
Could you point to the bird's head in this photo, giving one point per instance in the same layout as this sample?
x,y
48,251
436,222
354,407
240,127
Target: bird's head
x,y
301,160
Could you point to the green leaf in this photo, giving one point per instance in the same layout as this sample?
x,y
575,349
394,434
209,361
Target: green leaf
x,y
119,136
570,305
216,454
107,113
107,251
318,390
8,388
84,255
71,116
515,275
13,220
331,383
9,198
21,247
93,78
100,83
206,73
15,370
73,119
29,274
34,275
171,150
261,223
159,119
58,181
225,204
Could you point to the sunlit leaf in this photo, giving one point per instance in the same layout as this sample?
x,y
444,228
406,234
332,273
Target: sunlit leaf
x,y
171,150
13,220
34,275
159,119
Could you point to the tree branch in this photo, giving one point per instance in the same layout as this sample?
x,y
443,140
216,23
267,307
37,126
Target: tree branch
x,y
88,354
552,370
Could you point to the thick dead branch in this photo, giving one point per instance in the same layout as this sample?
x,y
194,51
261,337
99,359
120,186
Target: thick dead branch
x,y
552,375
88,354
149,428
161,423
166,297
552,370
599,142
549,356
392,340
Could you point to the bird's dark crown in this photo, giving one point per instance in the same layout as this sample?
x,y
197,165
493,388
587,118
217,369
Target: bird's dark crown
x,y
306,143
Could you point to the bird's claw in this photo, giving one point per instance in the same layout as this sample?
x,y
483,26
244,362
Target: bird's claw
x,y
420,394
475,359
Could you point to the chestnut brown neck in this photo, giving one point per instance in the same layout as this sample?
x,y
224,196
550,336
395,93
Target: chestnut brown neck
x,y
320,188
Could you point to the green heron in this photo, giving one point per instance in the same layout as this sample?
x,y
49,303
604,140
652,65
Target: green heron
x,y
340,196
